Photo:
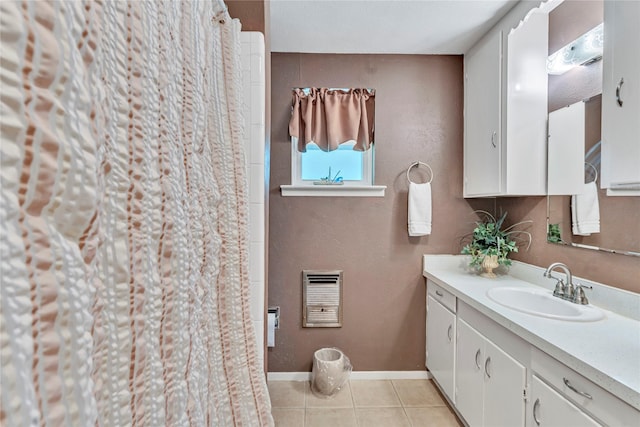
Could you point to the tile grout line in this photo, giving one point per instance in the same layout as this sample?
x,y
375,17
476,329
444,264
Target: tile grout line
x,y
351,398
307,388
353,404
404,410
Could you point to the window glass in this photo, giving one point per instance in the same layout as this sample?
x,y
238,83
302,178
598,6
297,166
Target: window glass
x,y
343,162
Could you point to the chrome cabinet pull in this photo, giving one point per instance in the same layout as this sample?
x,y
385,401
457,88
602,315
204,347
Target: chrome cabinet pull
x,y
493,139
486,366
440,294
572,388
618,89
477,355
536,406
449,332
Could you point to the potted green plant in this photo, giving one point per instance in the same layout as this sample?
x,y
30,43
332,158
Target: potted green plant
x,y
553,234
491,244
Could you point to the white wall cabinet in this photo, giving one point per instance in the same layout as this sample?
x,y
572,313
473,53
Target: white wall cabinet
x,y
441,333
490,384
483,107
505,119
551,409
621,98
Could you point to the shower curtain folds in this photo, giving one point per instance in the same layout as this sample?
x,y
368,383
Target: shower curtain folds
x,y
123,218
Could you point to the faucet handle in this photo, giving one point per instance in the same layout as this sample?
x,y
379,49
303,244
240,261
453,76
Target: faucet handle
x,y
578,296
560,288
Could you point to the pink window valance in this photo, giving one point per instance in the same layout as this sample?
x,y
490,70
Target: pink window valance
x,y
330,117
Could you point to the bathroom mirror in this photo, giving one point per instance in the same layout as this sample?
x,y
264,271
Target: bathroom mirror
x,y
619,216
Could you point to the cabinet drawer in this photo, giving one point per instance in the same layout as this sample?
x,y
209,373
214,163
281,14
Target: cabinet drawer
x,y
584,393
550,408
438,293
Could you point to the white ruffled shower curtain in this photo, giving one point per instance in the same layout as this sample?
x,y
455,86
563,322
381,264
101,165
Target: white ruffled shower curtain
x,y
123,210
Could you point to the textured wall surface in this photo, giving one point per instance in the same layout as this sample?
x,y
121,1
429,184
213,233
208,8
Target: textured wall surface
x,y
418,117
615,270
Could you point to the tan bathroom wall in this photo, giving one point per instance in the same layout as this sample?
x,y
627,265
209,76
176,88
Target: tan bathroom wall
x,y
251,13
615,270
419,103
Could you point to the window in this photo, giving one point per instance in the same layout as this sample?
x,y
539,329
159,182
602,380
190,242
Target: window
x,y
332,151
343,166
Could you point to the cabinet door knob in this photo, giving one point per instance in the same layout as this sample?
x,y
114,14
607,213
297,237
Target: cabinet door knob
x,y
536,406
572,388
618,89
486,366
449,332
477,356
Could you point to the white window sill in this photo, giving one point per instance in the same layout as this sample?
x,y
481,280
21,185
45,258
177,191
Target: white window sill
x,y
332,191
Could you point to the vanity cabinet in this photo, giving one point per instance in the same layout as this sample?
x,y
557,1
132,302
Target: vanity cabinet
x,y
551,409
489,382
493,377
505,107
567,398
441,333
621,98
504,360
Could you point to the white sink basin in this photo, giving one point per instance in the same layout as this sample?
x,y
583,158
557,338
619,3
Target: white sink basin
x,y
541,302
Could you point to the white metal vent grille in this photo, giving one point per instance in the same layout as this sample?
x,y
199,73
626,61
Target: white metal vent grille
x,y
322,298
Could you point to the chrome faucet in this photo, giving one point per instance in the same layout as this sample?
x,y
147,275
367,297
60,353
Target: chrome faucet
x,y
568,291
562,290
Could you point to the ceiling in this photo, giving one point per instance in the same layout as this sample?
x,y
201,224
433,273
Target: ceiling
x,y
382,26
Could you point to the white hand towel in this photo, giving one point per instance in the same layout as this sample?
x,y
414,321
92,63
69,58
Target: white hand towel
x,y
585,211
419,209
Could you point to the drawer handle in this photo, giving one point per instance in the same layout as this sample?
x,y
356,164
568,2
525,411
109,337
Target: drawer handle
x,y
618,88
493,139
536,406
477,356
440,294
449,332
486,366
572,388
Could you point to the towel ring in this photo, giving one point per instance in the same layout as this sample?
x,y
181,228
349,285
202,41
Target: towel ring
x,y
417,164
595,171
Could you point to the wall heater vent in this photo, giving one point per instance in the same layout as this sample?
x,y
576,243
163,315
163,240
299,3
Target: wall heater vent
x,y
322,298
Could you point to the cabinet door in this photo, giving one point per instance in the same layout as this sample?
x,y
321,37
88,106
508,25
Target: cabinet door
x,y
504,385
549,408
621,81
469,373
482,136
441,332
526,82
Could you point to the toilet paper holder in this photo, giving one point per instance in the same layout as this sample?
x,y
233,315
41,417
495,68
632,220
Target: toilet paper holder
x,y
275,310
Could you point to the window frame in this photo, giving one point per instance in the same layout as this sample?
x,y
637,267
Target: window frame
x,y
361,188
367,169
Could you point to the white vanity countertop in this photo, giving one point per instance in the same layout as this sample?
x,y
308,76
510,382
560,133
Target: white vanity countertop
x,y
605,351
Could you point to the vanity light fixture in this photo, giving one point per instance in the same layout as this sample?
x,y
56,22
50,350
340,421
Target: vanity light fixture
x,y
584,50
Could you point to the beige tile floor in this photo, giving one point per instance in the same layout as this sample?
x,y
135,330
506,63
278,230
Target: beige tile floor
x,y
361,403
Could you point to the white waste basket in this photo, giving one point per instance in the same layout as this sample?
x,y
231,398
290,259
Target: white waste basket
x,y
331,369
